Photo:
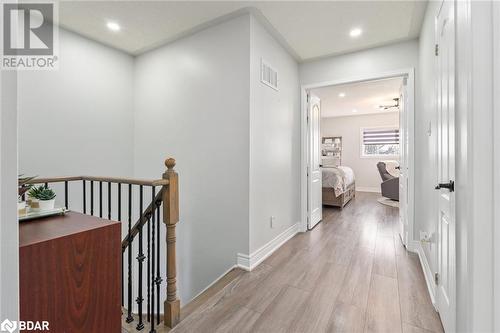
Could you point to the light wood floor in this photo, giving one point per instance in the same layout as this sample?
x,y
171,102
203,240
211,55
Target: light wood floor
x,y
349,274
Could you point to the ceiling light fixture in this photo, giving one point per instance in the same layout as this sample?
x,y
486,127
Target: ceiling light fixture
x,y
113,26
354,110
341,95
356,32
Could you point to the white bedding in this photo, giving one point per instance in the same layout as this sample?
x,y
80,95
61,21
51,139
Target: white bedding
x,y
339,178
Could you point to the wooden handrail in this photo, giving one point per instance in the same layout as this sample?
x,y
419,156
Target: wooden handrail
x,y
53,180
141,221
133,181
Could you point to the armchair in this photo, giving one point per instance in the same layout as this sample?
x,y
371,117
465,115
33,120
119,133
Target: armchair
x,y
390,184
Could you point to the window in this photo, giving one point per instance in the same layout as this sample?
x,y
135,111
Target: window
x,y
378,141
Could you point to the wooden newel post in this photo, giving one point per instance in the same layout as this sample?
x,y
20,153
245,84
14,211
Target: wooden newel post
x,y
170,218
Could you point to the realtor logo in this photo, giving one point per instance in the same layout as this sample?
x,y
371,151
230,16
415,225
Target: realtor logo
x,y
29,36
28,29
8,326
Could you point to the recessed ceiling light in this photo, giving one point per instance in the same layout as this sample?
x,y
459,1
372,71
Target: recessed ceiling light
x,y
356,32
354,110
342,95
113,26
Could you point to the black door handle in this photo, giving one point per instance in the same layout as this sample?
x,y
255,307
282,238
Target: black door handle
x,y
450,186
398,167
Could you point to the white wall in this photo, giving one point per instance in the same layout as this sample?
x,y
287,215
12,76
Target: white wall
x,y
426,146
192,103
9,234
78,119
349,128
274,140
360,64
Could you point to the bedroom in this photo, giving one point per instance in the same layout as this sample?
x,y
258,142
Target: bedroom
x,y
359,145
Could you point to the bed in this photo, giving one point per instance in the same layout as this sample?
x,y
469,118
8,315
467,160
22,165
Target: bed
x,y
339,185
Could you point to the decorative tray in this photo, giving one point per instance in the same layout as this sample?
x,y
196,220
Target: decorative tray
x,y
30,215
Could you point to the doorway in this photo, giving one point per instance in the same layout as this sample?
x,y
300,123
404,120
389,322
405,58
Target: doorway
x,y
310,153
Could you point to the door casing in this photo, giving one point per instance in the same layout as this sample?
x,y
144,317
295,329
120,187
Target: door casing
x,y
409,73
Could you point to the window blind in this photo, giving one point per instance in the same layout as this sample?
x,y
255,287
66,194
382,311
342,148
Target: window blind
x,y
380,136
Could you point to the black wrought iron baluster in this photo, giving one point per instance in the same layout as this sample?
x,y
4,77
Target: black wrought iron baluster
x,y
91,197
149,262
158,252
120,219
100,199
109,200
66,203
123,296
152,281
140,259
129,241
84,198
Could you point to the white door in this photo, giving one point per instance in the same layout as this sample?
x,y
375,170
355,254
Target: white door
x,y
403,164
315,202
445,280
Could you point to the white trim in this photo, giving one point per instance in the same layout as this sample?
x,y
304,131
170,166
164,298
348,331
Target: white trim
x,y
368,189
416,247
249,262
410,74
9,225
496,163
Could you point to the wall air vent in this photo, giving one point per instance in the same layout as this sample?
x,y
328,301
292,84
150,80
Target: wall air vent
x,y
268,75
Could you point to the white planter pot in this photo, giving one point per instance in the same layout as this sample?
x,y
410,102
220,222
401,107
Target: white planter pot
x,y
47,204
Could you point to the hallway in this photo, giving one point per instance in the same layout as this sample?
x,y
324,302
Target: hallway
x,y
349,274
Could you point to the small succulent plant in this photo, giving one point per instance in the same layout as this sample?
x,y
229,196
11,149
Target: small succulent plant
x,y
42,193
34,191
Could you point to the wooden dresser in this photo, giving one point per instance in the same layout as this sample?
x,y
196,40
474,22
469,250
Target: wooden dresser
x,y
70,273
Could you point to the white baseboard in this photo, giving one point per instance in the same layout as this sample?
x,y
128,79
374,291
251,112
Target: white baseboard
x,y
249,262
429,276
367,189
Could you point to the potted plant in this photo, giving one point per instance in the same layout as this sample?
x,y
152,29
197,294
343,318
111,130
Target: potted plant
x,y
45,196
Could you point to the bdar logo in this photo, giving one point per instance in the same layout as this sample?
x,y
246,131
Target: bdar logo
x,y
8,326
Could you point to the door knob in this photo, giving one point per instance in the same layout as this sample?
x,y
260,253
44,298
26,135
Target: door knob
x,y
450,186
398,167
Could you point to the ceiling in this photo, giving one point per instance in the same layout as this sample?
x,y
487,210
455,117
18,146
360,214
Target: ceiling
x,y
308,29
360,98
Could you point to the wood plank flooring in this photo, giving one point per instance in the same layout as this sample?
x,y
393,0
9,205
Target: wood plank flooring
x,y
349,274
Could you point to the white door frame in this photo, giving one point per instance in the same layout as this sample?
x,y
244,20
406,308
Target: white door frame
x,y
496,163
410,74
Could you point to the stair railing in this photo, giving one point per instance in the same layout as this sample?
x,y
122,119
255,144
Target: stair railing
x,y
168,197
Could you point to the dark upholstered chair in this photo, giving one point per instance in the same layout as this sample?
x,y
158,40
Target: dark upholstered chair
x,y
390,184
